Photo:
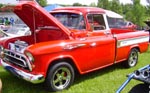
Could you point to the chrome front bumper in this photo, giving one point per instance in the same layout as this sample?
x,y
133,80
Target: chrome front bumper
x,y
24,75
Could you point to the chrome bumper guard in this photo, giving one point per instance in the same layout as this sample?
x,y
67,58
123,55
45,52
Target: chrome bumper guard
x,y
24,75
16,58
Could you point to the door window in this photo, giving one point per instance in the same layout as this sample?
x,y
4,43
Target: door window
x,y
96,21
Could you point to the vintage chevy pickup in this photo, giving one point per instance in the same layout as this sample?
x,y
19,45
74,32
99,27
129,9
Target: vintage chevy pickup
x,y
66,41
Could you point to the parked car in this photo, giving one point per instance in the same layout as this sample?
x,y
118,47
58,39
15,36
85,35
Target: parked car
x,y
65,41
130,25
15,30
127,25
4,27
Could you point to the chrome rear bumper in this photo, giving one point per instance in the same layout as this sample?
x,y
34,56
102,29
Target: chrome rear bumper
x,y
23,75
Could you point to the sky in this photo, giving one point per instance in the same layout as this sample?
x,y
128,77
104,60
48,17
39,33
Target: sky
x,y
70,2
86,2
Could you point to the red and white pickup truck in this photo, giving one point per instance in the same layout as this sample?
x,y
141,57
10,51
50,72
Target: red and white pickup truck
x,y
65,41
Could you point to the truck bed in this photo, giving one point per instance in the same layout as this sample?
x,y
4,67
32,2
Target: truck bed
x,y
127,35
119,30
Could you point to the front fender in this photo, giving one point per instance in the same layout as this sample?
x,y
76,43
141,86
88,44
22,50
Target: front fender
x,y
46,61
53,46
47,53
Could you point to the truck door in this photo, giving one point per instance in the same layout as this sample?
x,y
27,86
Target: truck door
x,y
102,43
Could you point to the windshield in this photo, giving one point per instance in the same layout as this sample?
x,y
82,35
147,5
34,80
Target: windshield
x,y
70,20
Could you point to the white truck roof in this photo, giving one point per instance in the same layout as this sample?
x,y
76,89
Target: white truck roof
x,y
113,14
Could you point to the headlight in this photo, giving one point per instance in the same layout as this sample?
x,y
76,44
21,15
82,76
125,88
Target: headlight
x,y
1,51
30,56
1,48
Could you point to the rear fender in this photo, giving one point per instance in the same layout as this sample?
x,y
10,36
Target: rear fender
x,y
135,46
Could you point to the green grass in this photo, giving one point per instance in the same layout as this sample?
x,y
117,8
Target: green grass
x,y
106,80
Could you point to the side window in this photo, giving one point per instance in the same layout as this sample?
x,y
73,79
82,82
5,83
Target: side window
x,y
96,21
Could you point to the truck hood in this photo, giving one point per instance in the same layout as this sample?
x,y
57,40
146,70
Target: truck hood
x,y
35,16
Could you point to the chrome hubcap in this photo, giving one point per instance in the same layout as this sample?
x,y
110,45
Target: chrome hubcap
x,y
133,59
61,78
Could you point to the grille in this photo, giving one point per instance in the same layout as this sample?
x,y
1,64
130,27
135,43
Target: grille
x,y
16,59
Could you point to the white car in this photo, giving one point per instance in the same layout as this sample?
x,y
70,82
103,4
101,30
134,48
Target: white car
x,y
15,31
4,27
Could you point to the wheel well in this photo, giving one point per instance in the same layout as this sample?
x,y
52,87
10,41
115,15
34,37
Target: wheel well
x,y
136,48
68,60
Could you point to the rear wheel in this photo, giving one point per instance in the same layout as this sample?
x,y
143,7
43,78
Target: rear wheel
x,y
60,76
132,58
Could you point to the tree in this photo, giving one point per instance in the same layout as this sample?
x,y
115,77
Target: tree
x,y
42,2
77,4
103,4
1,5
116,6
93,5
148,8
138,12
127,11
113,5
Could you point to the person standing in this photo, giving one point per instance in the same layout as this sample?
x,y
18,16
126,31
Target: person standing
x,y
11,20
7,21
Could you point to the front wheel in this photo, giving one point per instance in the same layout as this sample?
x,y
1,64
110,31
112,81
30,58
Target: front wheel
x,y
132,58
60,76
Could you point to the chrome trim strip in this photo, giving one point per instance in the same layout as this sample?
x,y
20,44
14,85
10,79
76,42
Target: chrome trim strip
x,y
131,41
18,58
71,46
26,62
